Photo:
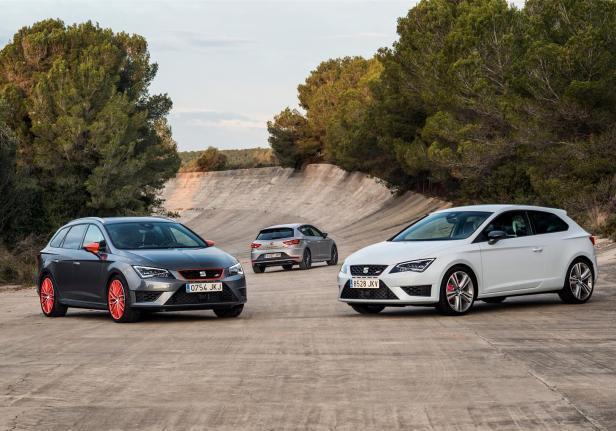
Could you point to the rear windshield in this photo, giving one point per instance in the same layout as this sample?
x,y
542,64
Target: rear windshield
x,y
276,233
152,235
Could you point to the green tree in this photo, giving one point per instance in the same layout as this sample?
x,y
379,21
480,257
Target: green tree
x,y
291,139
89,134
211,160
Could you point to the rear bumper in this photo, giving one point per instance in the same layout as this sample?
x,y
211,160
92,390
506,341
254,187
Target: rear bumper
x,y
289,256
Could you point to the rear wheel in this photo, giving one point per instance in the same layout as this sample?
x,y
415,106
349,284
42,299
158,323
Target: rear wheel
x,y
306,262
457,291
367,308
50,304
258,269
579,283
496,300
118,302
287,267
227,312
334,256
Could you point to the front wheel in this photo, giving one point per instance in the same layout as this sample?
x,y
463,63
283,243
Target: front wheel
x,y
579,283
228,312
334,256
306,262
367,308
50,304
457,291
118,302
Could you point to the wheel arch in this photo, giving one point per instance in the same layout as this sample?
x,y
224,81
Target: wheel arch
x,y
465,265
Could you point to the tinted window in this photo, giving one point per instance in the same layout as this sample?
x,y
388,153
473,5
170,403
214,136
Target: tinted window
x,y
305,230
74,236
57,239
93,234
276,233
315,231
513,223
445,226
547,222
152,235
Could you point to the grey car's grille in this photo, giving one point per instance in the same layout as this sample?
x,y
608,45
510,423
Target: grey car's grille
x,y
147,296
202,274
382,292
181,297
418,290
367,270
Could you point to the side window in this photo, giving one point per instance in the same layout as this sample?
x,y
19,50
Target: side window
x,y
315,231
93,234
547,222
57,239
514,223
74,236
305,230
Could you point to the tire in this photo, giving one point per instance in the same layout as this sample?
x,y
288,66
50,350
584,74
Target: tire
x,y
334,256
50,303
458,291
496,300
306,262
258,269
579,282
287,267
118,302
229,312
367,308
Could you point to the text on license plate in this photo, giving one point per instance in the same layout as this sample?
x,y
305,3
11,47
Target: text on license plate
x,y
365,283
203,287
273,255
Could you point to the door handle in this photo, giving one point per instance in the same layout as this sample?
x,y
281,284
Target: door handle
x,y
77,263
538,249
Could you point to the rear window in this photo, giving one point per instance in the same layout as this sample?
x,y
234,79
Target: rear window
x,y
547,222
57,239
276,233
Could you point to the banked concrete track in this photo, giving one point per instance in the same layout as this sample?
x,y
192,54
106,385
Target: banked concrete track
x,y
231,206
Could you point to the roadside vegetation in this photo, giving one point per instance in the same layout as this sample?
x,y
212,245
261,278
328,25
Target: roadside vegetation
x,y
477,101
80,134
214,159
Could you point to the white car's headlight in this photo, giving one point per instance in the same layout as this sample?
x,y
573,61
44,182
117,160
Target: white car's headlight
x,y
236,269
345,268
418,265
149,272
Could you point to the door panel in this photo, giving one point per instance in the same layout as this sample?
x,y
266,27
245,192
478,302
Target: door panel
x,y
89,270
69,250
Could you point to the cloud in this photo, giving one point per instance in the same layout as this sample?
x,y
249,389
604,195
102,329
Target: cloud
x,y
225,120
196,41
361,35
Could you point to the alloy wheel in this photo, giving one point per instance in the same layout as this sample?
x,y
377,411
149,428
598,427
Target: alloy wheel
x,y
460,291
580,281
47,296
116,300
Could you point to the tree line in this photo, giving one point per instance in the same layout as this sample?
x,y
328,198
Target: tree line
x,y
476,101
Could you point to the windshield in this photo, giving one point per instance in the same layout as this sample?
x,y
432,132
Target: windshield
x,y
152,235
276,233
444,226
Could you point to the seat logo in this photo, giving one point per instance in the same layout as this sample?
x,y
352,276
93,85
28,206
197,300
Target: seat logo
x,y
202,274
366,269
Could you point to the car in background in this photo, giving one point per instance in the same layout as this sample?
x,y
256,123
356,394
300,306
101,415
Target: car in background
x,y
455,256
287,245
129,265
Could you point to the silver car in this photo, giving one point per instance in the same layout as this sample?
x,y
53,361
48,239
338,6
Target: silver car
x,y
292,244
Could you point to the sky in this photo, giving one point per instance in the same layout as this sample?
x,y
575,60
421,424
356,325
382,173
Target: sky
x,y
229,66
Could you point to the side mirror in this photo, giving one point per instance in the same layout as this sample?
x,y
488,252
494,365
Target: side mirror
x,y
495,236
93,247
324,234
210,243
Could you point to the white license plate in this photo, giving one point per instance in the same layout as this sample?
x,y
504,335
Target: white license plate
x,y
203,287
365,283
273,255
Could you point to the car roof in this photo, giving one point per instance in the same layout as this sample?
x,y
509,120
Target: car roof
x,y
112,220
497,208
287,225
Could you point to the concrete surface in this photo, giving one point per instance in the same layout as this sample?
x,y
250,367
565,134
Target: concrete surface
x,y
298,359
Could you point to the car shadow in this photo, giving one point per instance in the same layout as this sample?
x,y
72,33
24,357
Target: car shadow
x,y
163,316
315,266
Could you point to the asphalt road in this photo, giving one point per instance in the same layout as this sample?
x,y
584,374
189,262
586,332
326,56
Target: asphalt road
x,y
298,359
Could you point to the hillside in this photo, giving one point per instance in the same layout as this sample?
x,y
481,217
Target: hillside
x,y
231,206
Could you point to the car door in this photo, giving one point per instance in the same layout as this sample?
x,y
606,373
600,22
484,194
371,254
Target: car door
x,y
70,259
323,243
89,269
549,230
515,263
311,242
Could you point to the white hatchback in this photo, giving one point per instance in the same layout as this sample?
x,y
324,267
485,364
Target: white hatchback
x,y
455,256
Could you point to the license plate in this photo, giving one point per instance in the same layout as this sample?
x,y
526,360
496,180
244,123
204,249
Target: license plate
x,y
273,255
203,287
365,283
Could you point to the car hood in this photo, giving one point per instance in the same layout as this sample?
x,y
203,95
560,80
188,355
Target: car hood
x,y
177,259
391,253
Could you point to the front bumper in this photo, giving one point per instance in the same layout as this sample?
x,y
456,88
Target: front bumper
x,y
398,289
159,295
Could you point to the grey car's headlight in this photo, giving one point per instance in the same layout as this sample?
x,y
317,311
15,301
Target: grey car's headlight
x,y
345,268
236,269
149,272
418,265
